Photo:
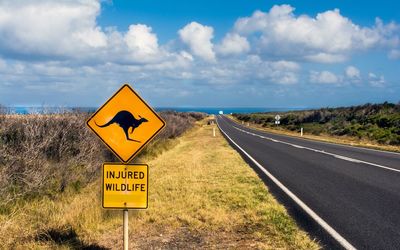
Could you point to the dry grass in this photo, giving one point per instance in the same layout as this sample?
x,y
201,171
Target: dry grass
x,y
346,140
44,154
202,195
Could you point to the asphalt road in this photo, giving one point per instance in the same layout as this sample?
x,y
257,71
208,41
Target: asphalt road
x,y
352,193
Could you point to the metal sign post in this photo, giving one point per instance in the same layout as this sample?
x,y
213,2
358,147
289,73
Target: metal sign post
x,y
126,237
125,123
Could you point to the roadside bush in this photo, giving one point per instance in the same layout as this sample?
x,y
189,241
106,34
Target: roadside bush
x,y
43,154
178,122
377,122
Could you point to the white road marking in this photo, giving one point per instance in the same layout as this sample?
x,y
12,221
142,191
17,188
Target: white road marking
x,y
332,232
347,159
330,143
323,152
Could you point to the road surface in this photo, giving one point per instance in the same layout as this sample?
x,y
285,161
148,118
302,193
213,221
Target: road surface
x,y
352,193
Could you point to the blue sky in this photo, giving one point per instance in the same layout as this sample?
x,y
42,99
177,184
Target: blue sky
x,y
200,53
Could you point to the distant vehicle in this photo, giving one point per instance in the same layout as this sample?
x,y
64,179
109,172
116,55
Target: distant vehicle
x,y
221,112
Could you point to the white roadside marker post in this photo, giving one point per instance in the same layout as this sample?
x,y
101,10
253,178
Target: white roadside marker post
x,y
214,132
301,132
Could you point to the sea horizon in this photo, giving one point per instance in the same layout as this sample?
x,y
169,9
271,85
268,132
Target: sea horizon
x,y
207,110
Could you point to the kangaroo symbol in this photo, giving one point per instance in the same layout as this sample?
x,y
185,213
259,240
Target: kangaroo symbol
x,y
125,120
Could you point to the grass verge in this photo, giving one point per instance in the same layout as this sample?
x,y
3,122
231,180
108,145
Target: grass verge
x,y
201,195
345,140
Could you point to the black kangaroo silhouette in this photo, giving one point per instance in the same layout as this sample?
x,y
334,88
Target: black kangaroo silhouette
x,y
125,120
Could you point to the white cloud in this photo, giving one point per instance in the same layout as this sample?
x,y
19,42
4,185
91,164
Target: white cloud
x,y
280,72
325,76
233,44
285,65
325,58
51,46
257,22
394,54
284,72
353,74
389,33
376,81
3,64
94,38
251,69
142,43
50,28
328,37
186,55
285,78
198,38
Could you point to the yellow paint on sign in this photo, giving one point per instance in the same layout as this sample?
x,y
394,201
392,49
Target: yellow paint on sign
x,y
125,123
125,185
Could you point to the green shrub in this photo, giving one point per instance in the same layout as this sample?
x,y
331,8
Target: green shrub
x,y
378,122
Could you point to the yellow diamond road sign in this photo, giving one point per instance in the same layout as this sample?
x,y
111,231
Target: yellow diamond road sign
x,y
125,123
125,185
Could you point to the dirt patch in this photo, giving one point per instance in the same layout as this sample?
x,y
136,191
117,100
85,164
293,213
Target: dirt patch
x,y
185,238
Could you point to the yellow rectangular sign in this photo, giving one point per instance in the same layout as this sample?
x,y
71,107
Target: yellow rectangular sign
x,y
125,186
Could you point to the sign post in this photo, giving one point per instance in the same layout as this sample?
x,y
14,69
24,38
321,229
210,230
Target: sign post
x,y
126,237
277,119
125,123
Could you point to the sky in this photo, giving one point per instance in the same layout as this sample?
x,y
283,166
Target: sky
x,y
253,53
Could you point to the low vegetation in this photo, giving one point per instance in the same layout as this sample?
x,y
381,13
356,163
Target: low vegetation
x,y
379,123
202,195
44,154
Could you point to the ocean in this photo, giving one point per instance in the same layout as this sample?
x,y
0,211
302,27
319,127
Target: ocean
x,y
208,110
226,110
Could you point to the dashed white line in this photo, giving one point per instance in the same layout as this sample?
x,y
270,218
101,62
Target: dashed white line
x,y
347,158
332,232
331,143
323,152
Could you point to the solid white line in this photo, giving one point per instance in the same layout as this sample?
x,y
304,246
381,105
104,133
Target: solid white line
x,y
323,152
332,232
